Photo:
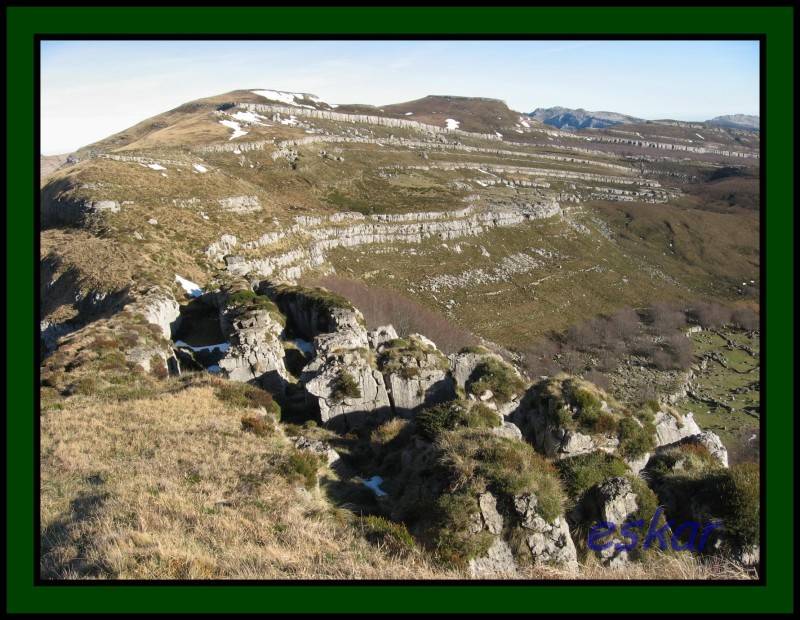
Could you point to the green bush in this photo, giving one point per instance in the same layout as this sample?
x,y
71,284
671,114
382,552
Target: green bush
x,y
303,465
435,420
737,490
247,396
580,473
497,376
635,440
393,537
344,386
454,544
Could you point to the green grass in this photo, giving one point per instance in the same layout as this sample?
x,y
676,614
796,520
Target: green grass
x,y
434,421
247,396
344,386
579,473
497,376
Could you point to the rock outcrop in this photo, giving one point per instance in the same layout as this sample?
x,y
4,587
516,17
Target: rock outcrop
x,y
549,542
415,372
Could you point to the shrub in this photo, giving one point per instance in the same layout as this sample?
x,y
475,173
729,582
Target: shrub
x,y
258,426
433,421
247,396
745,318
497,376
580,473
635,439
393,537
158,368
344,386
304,465
694,459
454,543
739,496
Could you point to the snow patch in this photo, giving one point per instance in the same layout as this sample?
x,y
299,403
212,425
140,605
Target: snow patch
x,y
249,117
237,129
409,113
524,123
199,168
699,136
222,346
452,123
374,485
156,167
192,289
286,97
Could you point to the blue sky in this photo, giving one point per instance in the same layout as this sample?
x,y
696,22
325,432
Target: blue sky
x,y
91,89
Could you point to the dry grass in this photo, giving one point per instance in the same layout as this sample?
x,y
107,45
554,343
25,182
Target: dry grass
x,y
172,488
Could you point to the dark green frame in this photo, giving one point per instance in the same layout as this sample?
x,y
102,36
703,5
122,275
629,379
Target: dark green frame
x,y
775,22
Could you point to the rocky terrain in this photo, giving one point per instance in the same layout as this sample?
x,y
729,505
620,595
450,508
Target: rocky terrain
x,y
209,410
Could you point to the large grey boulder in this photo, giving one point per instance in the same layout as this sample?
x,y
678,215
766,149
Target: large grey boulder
x,y
160,308
708,440
381,335
612,501
497,562
672,427
416,374
548,542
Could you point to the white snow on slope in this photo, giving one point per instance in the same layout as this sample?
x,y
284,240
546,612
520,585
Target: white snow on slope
x,y
374,484
199,168
699,136
192,289
409,113
524,123
156,167
237,129
292,120
249,117
222,346
284,97
452,123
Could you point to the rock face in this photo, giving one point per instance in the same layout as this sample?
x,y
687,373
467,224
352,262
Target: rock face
x,y
381,335
671,428
612,501
256,352
160,308
319,448
549,542
556,441
498,562
707,439
341,379
415,373
328,377
241,204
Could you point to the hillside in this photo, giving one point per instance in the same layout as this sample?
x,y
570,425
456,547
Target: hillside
x,y
571,119
736,121
432,339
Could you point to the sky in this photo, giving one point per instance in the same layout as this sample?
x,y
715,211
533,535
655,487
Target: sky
x,y
91,89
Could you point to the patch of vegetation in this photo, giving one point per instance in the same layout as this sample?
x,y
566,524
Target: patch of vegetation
x,y
247,396
454,543
405,356
391,536
302,465
507,466
435,420
158,368
580,473
258,426
344,386
690,459
635,438
497,376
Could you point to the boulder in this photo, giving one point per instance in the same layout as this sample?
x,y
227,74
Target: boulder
x,y
674,427
548,542
707,439
491,518
319,448
612,501
415,373
497,562
381,335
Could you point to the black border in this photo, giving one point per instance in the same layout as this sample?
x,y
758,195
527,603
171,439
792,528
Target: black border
x,y
761,38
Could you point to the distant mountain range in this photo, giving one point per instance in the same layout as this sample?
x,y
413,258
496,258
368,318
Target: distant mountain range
x,y
571,119
736,121
567,118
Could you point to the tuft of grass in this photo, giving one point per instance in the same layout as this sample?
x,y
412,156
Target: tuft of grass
x,y
344,386
454,544
497,376
580,473
392,537
247,396
302,465
635,439
435,420
258,426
